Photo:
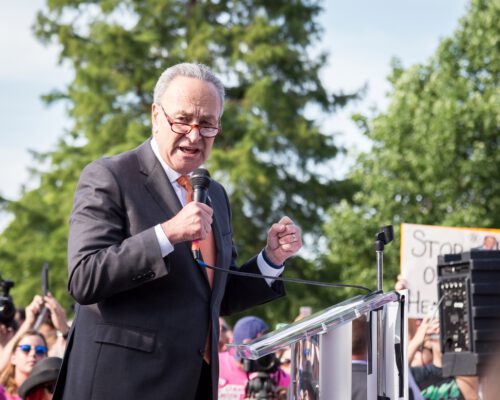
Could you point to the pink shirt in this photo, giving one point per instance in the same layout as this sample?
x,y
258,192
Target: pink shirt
x,y
6,396
233,380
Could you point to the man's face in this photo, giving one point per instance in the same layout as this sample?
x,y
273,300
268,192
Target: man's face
x,y
490,243
189,101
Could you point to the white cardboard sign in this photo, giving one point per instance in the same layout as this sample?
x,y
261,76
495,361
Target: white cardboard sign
x,y
420,247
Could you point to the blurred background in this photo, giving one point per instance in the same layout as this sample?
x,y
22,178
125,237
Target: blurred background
x,y
344,115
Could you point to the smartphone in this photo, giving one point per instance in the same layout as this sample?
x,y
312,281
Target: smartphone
x,y
45,291
45,279
434,310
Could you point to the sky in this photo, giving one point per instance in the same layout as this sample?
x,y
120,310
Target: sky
x,y
361,37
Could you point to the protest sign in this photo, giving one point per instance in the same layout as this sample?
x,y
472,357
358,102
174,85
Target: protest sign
x,y
420,247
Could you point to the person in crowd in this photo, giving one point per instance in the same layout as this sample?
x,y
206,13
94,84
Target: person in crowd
x,y
423,342
489,243
28,350
8,323
307,356
285,354
20,316
235,373
429,376
426,363
425,357
31,313
285,358
413,324
42,380
225,335
7,332
490,384
360,336
55,325
148,310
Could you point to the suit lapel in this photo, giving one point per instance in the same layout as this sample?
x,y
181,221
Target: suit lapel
x,y
160,188
218,243
157,183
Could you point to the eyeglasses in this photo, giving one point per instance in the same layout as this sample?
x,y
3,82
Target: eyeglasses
x,y
39,350
184,129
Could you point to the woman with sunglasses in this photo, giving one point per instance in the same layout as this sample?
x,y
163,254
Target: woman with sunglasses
x,y
29,349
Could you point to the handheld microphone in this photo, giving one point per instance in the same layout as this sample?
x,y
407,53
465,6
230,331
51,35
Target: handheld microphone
x,y
200,180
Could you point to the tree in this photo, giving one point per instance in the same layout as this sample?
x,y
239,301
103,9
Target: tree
x,y
435,155
268,155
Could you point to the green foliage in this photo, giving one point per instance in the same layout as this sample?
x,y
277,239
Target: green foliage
x,y
435,155
268,154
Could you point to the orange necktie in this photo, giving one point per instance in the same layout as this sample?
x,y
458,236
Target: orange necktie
x,y
207,247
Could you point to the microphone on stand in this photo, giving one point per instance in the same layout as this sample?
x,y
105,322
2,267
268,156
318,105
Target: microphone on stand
x,y
200,180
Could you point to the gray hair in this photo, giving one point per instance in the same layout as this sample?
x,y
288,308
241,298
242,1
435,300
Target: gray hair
x,y
190,70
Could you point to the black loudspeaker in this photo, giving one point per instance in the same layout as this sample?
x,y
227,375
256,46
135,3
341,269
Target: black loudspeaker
x,y
469,310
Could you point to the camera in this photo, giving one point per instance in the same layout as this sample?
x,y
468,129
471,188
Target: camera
x,y
262,385
269,364
7,308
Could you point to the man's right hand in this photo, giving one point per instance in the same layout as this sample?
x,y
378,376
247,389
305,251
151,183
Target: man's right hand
x,y
193,222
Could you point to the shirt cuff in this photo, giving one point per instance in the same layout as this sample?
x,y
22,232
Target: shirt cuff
x,y
165,245
268,268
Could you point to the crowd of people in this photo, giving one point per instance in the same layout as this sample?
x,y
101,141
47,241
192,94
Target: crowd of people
x,y
32,344
32,349
30,359
241,379
425,362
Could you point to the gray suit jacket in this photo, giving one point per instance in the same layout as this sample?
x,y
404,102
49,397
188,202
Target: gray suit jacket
x,y
141,320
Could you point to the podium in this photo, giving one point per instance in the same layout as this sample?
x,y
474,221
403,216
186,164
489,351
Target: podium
x,y
321,349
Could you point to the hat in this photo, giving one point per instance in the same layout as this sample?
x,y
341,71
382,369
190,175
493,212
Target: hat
x,y
44,371
248,328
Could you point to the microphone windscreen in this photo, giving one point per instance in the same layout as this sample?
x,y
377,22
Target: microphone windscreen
x,y
200,178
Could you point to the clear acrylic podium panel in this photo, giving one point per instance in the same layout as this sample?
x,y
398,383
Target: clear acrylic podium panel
x,y
305,340
318,323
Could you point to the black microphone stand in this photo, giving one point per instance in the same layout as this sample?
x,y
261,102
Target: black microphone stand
x,y
385,236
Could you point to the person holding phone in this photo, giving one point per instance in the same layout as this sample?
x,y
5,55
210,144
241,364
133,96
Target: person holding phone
x,y
54,325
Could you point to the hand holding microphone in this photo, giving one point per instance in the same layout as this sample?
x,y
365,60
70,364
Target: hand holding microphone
x,y
194,221
200,180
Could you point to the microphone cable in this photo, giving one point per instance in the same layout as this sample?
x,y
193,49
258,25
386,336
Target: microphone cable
x,y
200,181
277,278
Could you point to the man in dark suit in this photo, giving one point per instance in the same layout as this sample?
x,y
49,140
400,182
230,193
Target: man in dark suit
x,y
146,326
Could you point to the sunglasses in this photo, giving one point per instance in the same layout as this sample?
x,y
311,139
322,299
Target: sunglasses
x,y
39,350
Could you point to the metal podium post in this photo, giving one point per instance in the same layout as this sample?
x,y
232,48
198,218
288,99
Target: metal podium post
x,y
385,236
336,353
